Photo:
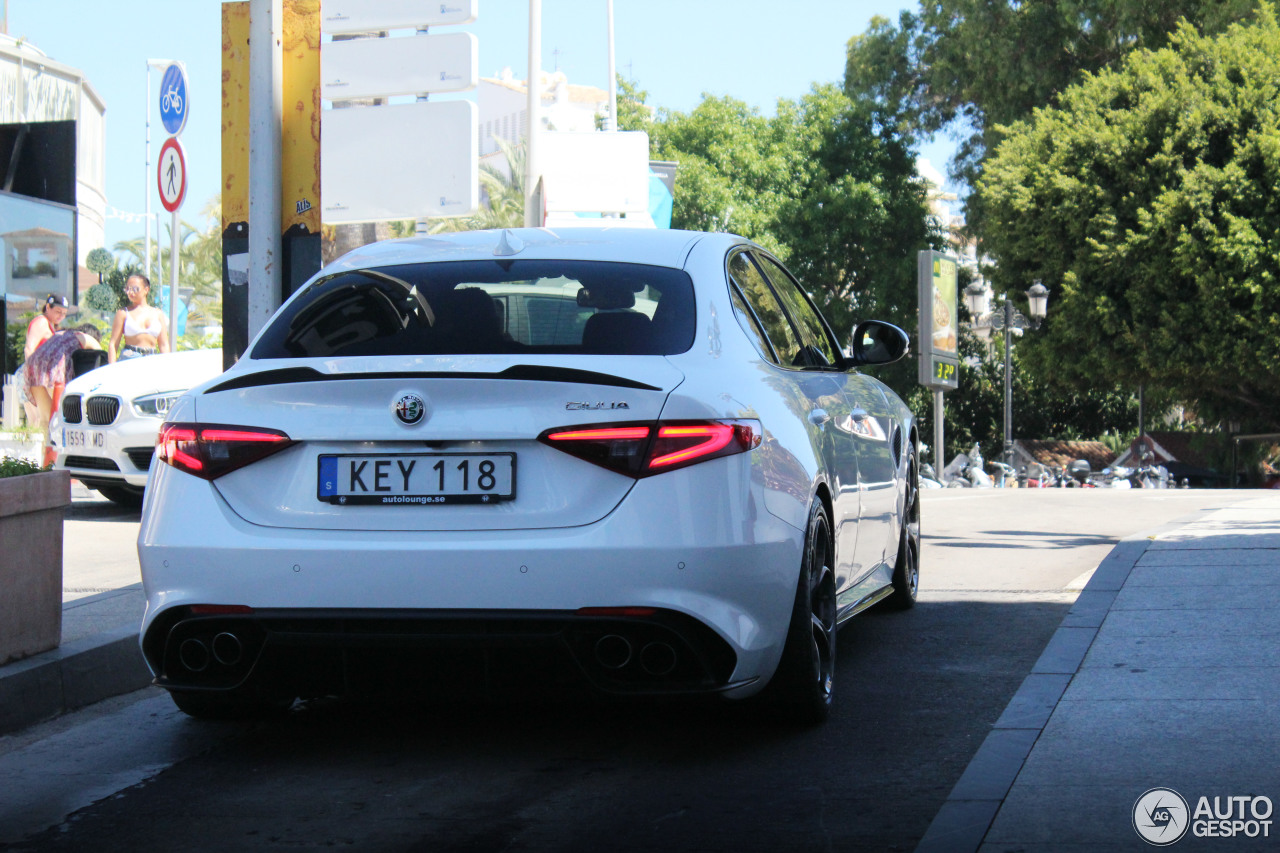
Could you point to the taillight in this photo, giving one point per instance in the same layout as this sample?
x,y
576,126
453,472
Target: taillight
x,y
641,450
211,450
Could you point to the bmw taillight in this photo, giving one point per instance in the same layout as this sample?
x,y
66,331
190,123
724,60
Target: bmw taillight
x,y
212,450
642,450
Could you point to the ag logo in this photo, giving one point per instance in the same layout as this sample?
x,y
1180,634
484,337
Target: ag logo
x,y
1161,817
410,408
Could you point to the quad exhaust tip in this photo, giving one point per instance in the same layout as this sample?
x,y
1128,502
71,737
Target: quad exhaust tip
x,y
227,649
658,659
613,651
194,655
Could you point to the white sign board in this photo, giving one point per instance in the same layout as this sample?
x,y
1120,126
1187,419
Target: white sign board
x,y
377,68
367,16
399,162
595,172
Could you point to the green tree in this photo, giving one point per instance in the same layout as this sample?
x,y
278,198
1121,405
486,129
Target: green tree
x,y
1150,194
199,264
839,202
968,67
834,197
99,260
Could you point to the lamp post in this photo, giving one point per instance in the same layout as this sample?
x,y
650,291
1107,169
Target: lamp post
x,y
1009,318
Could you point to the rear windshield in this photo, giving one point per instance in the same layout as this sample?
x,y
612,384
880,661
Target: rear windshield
x,y
479,307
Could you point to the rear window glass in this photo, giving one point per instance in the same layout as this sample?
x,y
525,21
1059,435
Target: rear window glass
x,y
482,307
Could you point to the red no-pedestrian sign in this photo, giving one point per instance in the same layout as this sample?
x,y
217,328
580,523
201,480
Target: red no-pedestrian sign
x,y
171,175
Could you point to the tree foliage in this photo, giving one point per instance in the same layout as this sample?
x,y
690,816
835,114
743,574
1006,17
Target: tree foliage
x,y
199,264
970,66
816,184
1150,194
1041,410
99,260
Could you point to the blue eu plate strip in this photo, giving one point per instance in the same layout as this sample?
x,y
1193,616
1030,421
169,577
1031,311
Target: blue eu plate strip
x,y
328,476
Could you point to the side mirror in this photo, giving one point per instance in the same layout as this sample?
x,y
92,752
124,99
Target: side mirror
x,y
877,342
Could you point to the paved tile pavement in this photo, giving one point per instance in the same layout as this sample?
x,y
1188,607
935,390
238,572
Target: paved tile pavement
x,y
1165,674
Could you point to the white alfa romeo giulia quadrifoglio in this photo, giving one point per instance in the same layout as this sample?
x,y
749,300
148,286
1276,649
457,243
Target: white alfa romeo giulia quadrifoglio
x,y
636,460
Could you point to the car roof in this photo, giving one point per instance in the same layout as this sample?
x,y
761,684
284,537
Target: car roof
x,y
659,247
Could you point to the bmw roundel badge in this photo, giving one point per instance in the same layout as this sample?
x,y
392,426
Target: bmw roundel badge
x,y
410,408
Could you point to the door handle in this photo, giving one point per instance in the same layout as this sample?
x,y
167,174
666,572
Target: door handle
x,y
818,417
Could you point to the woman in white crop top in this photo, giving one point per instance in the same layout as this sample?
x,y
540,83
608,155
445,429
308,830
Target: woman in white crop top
x,y
142,325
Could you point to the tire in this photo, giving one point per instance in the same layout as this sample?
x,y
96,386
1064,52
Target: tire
x,y
219,706
802,688
906,571
126,496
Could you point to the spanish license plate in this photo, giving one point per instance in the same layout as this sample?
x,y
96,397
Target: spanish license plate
x,y
82,438
417,478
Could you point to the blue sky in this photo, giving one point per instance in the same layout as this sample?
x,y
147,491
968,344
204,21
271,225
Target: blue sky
x,y
676,50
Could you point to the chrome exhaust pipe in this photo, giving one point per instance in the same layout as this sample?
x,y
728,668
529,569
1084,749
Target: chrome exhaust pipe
x,y
613,651
227,649
194,655
658,659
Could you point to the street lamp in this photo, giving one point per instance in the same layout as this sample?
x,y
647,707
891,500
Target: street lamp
x,y
977,300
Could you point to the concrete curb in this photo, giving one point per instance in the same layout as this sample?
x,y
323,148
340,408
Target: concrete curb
x,y
71,676
962,823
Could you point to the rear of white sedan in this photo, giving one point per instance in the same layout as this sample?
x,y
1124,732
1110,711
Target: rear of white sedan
x,y
482,460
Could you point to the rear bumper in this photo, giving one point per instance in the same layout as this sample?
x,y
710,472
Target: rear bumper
x,y
724,571
290,653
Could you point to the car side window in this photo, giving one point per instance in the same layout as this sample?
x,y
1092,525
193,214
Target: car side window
x,y
758,294
750,325
813,331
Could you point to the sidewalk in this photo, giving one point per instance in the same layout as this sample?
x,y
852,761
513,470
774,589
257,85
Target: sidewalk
x,y
1163,675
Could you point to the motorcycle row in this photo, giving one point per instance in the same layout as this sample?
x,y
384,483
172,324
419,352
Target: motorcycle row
x,y
967,471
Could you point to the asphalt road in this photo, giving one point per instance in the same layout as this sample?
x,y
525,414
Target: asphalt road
x,y
917,693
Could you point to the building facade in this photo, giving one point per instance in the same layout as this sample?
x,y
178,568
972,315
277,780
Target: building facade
x,y
52,178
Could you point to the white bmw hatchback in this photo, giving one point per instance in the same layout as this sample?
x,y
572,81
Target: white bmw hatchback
x,y
636,460
104,432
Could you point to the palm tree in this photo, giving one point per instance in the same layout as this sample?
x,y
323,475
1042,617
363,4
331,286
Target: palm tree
x,y
199,263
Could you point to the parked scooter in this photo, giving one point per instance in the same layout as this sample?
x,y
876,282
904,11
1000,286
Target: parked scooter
x,y
928,477
1006,477
977,476
965,471
1037,476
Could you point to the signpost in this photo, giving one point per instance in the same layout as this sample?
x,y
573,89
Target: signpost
x,y
379,68
365,16
384,161
174,100
171,175
399,162
939,336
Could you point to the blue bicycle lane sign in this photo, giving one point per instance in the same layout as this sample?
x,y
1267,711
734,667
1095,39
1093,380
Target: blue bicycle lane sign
x,y
174,103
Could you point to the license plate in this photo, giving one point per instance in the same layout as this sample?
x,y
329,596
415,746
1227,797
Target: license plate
x,y
82,438
424,479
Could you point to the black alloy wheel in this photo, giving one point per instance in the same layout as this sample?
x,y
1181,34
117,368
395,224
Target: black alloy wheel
x,y
803,686
906,572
